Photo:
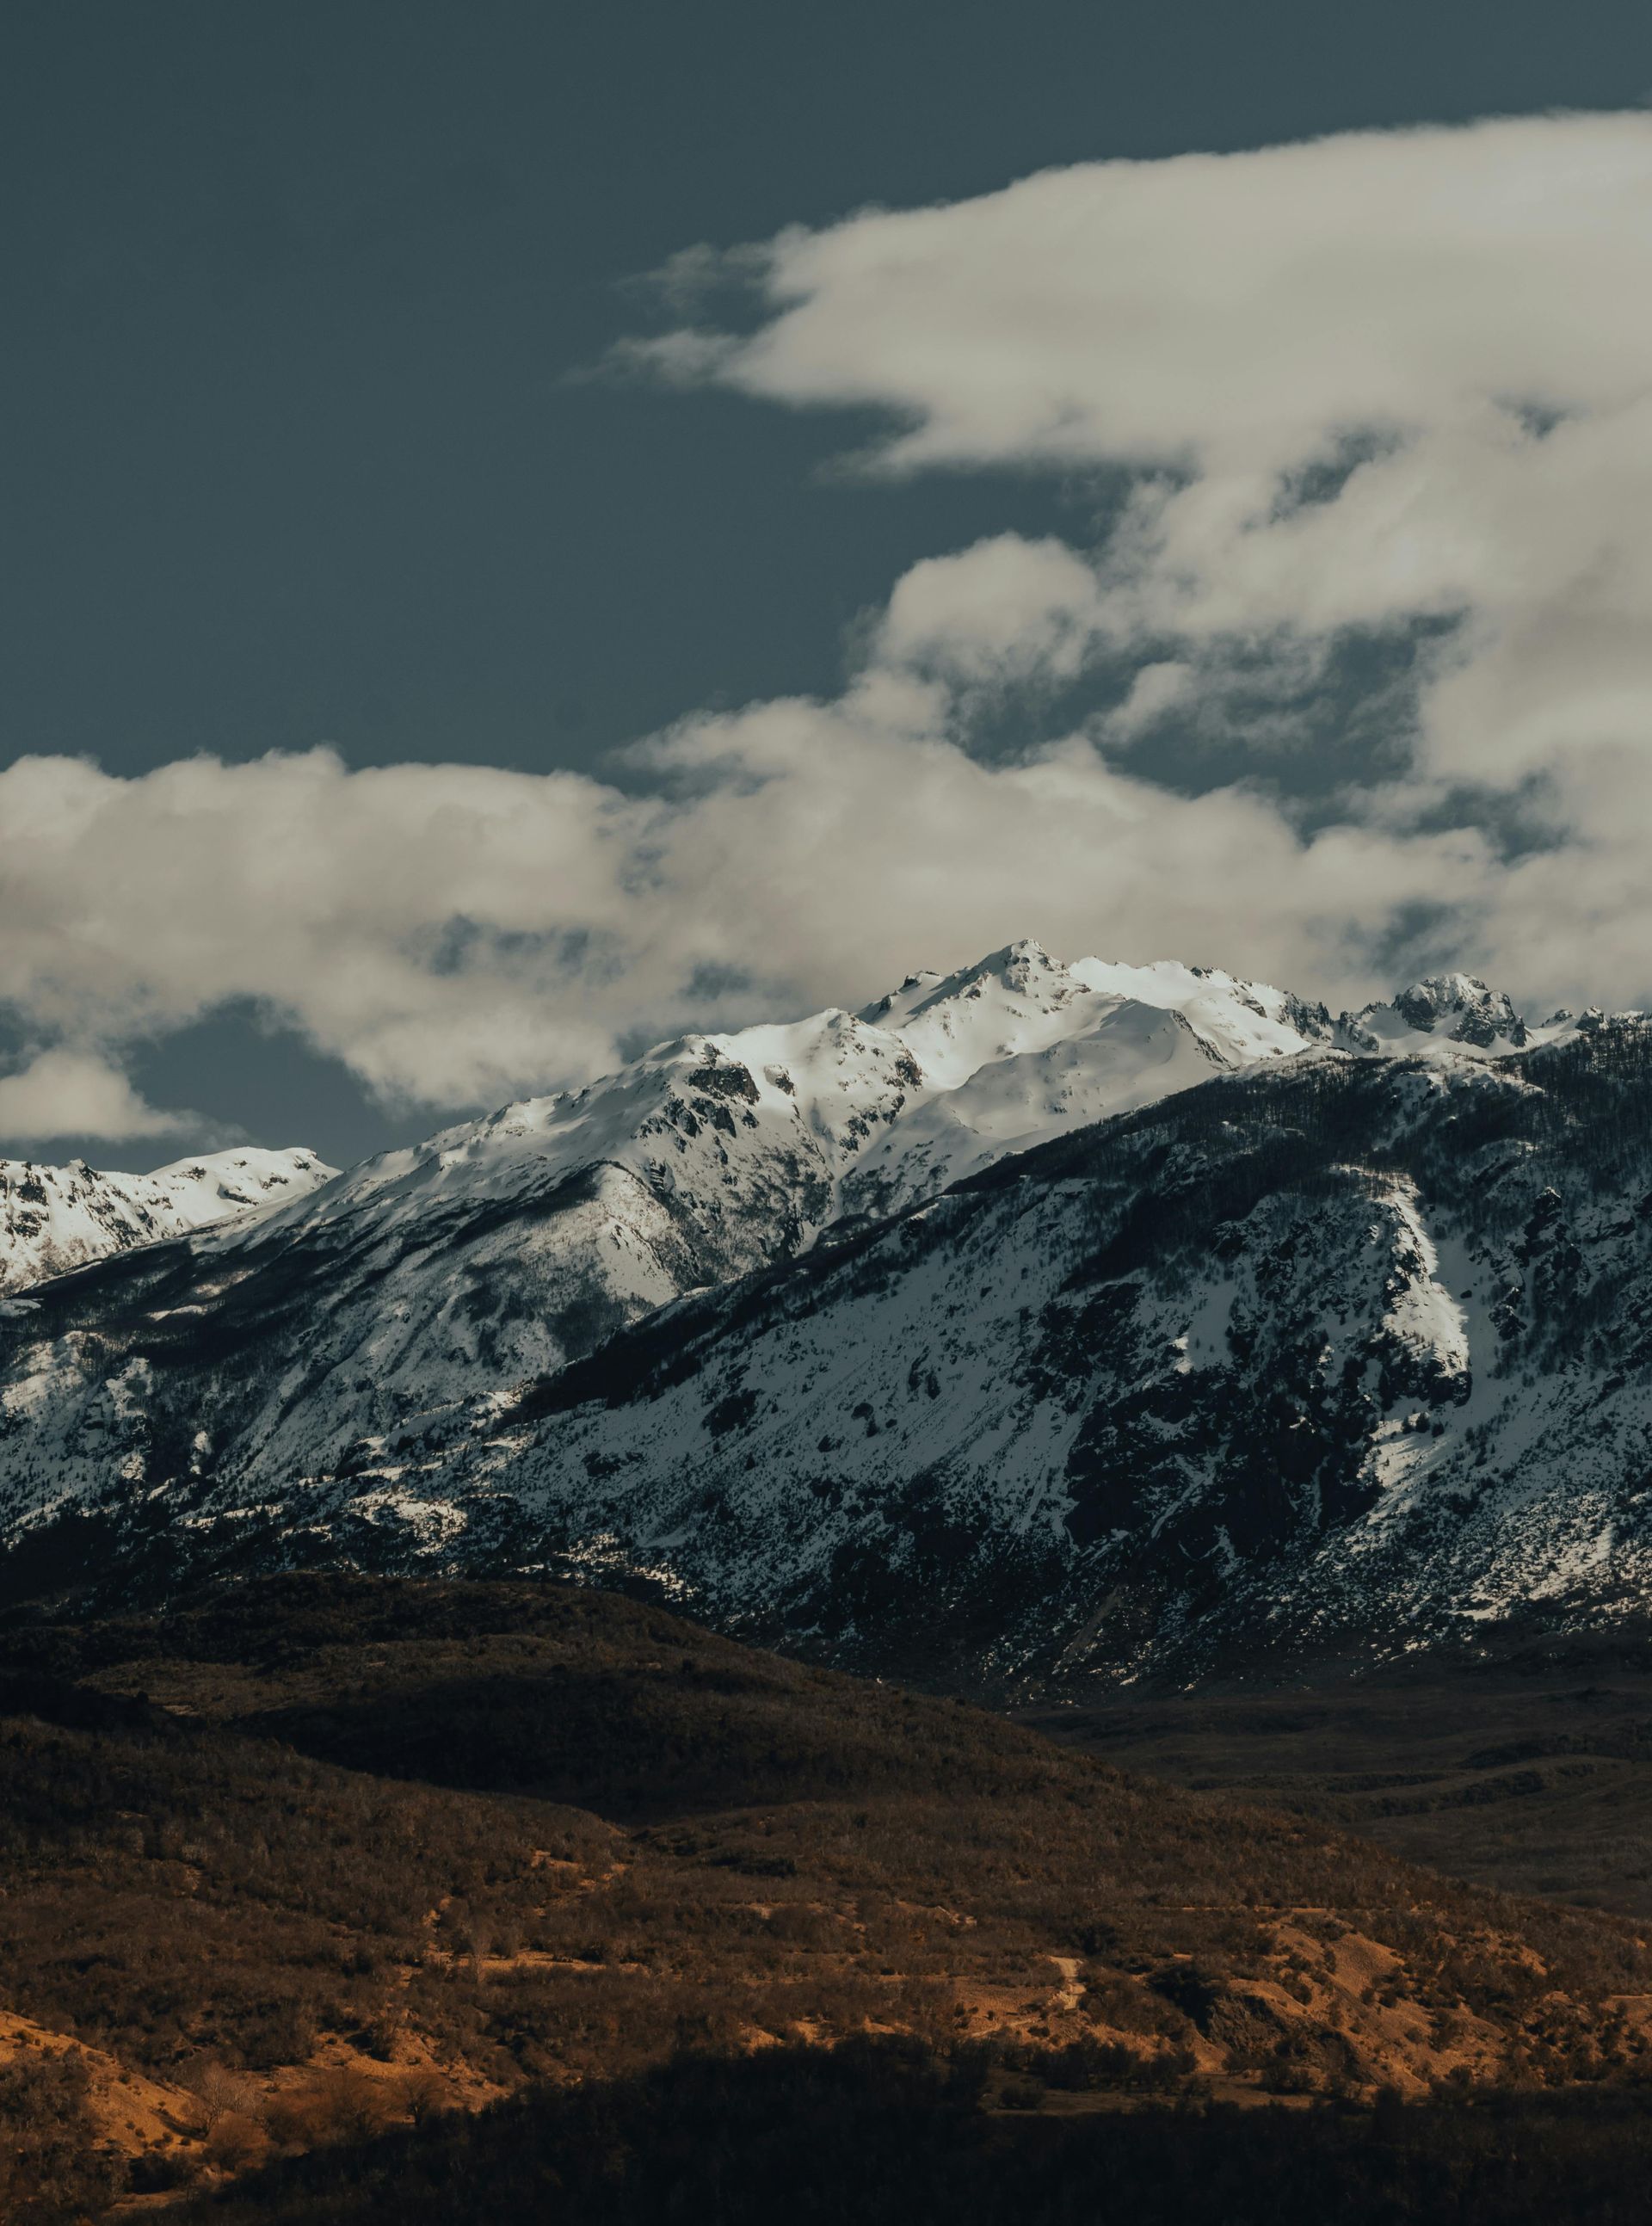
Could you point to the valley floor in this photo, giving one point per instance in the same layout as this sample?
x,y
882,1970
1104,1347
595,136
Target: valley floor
x,y
1525,1764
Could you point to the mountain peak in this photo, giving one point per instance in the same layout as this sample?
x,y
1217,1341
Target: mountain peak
x,y
1458,1006
753,1284
1028,952
1019,966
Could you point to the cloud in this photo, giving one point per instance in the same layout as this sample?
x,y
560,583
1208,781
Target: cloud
x,y
1365,383
1005,611
69,1093
1156,691
458,934
1383,387
442,928
1215,310
1380,387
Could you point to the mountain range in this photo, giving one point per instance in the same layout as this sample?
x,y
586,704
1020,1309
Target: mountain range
x,y
1038,1321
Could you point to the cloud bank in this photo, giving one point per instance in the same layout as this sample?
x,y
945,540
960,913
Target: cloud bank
x,y
457,935
1395,389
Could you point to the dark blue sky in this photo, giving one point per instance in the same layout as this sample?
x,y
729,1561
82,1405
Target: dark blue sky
x,y
293,292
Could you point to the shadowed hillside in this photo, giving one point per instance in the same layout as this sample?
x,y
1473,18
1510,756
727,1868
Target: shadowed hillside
x,y
883,2134
317,1856
1523,1762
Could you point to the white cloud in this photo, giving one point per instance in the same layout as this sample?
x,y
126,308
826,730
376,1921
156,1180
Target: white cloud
x,y
1006,610
456,933
1224,310
1471,310
1379,382
1365,383
72,1093
1155,689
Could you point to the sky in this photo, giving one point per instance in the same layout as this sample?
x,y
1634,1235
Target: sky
x,y
525,530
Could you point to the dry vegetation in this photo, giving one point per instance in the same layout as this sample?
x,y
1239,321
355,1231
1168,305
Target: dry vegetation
x,y
326,1857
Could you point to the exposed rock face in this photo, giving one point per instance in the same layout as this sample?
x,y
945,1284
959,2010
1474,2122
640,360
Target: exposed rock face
x,y
1455,1008
1462,1008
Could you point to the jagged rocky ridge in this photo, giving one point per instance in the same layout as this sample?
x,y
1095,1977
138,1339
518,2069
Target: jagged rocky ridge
x,y
1342,1346
53,1219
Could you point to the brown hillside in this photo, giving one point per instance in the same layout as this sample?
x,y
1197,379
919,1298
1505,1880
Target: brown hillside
x,y
329,1852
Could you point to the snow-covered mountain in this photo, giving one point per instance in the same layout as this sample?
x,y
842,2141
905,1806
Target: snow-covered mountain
x,y
55,1219
1239,1325
1446,1008
1019,1049
503,1247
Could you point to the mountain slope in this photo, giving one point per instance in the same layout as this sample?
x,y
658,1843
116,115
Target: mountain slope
x,y
1340,1356
53,1219
458,1270
309,1859
1520,1759
1019,1049
1336,1352
505,1833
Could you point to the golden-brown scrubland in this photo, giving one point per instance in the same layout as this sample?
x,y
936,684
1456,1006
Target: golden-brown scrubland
x,y
321,1858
